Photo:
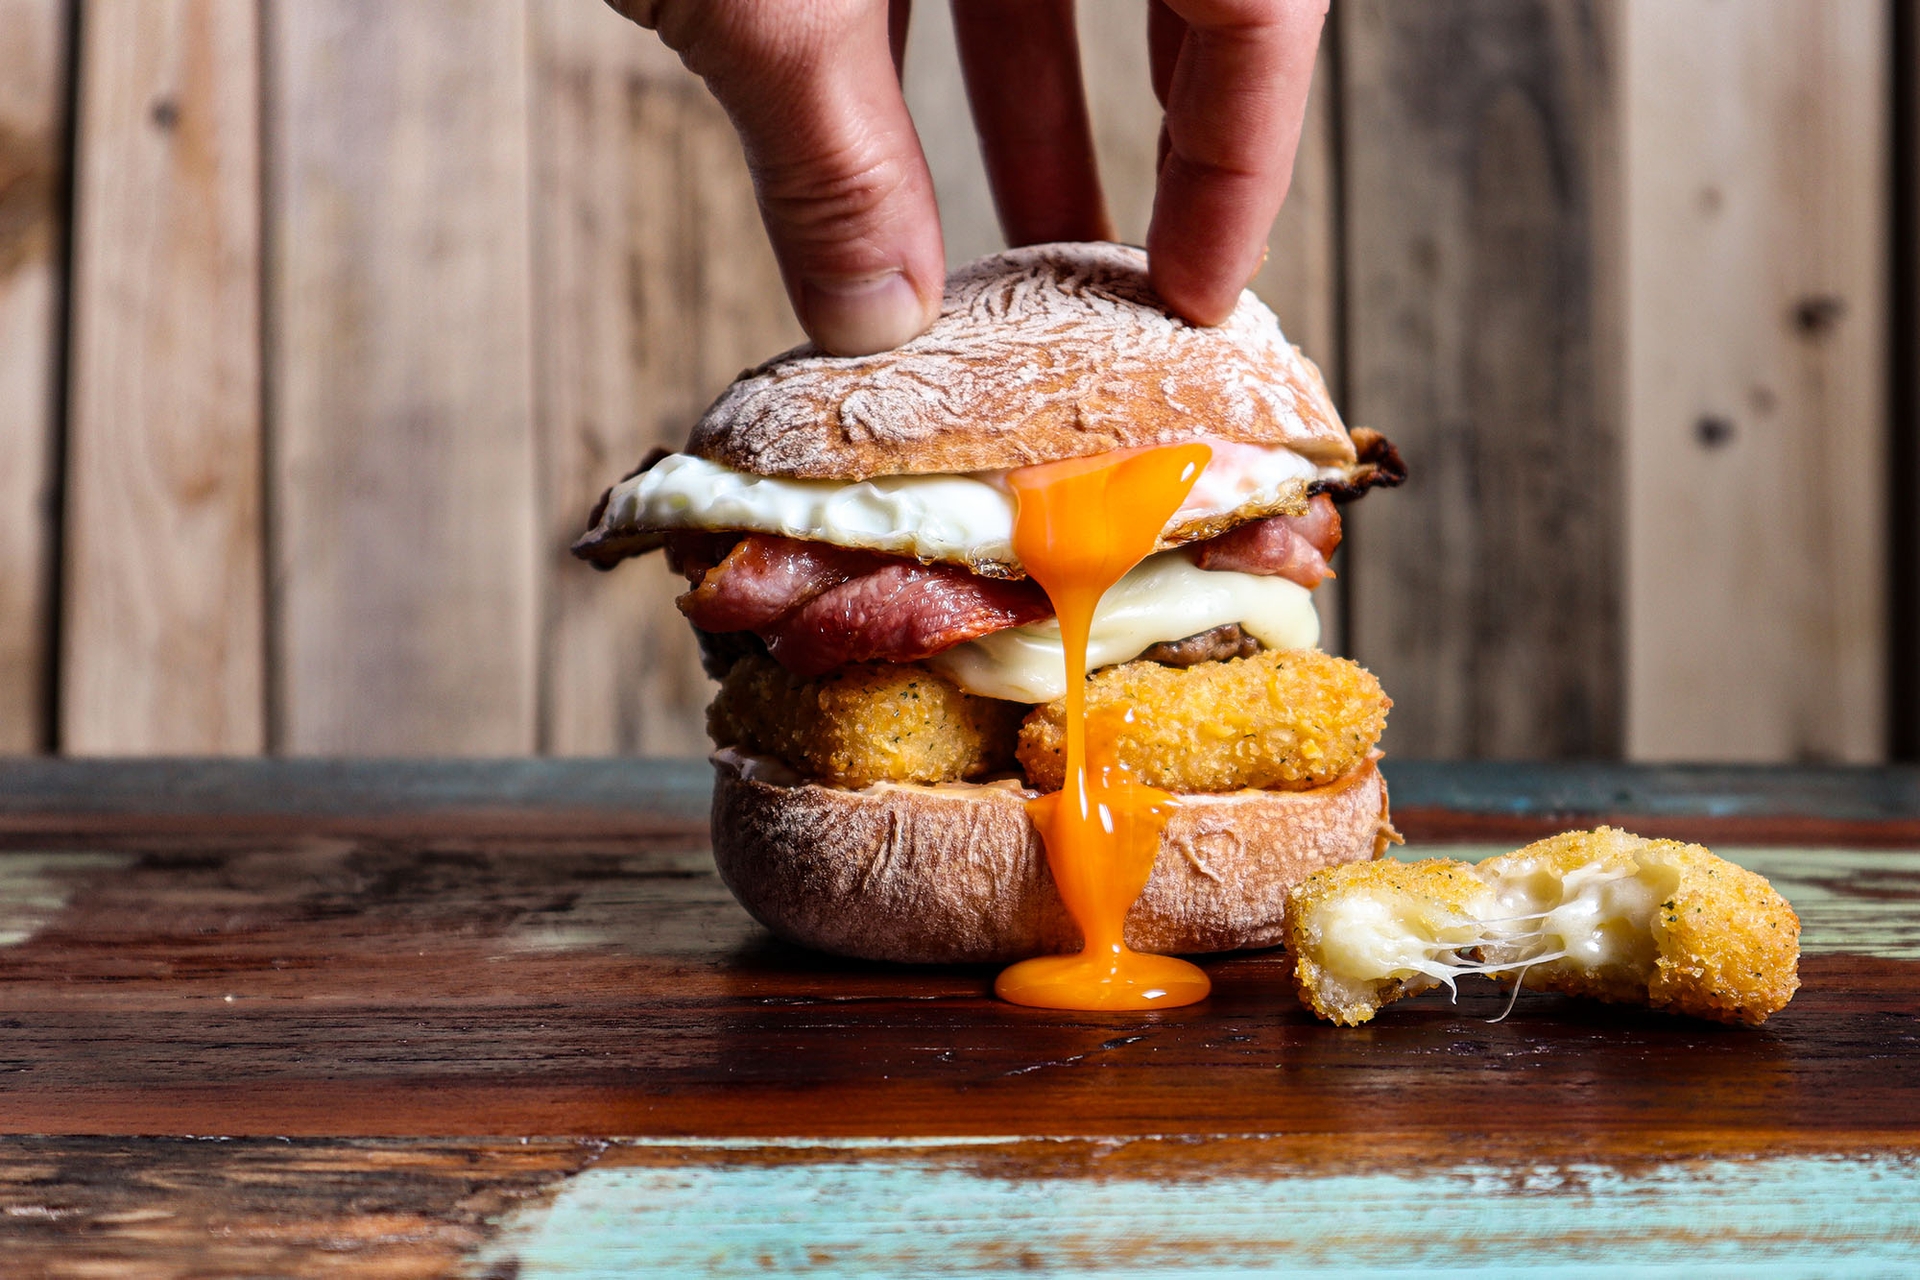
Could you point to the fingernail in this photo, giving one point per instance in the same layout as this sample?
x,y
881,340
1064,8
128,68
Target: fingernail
x,y
857,317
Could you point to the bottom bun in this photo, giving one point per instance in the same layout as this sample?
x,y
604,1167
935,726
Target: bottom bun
x,y
956,873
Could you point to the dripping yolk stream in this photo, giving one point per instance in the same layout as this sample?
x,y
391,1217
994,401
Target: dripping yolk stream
x,y
1081,524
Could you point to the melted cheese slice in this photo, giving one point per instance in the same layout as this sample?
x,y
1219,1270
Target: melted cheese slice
x,y
966,519
1165,597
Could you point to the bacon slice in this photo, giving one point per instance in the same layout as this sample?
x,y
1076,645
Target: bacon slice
x,y
1291,547
763,578
819,606
900,612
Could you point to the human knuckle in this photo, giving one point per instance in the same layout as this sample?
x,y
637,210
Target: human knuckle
x,y
832,190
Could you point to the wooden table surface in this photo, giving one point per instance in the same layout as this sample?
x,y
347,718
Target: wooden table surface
x,y
501,1019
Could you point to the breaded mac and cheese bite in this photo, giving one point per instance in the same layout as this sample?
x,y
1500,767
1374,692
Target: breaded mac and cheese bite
x,y
1601,913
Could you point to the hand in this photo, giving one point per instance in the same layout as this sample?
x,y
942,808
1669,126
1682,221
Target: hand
x,y
812,87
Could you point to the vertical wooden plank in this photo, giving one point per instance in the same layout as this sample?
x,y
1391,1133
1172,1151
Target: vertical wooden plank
x,y
402,463
1756,207
654,287
162,632
1486,593
33,62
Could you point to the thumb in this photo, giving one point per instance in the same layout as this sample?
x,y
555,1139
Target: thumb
x,y
844,190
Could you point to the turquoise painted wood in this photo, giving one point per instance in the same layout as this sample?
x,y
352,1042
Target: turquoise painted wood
x,y
879,1211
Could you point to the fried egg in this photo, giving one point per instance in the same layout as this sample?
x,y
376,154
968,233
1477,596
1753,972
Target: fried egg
x,y
964,519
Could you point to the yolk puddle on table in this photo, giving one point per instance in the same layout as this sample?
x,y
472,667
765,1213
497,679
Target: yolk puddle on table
x,y
1081,524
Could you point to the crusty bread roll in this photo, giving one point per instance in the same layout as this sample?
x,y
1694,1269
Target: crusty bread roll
x,y
1047,352
956,873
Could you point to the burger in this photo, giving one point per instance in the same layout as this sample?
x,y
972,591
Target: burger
x,y
891,681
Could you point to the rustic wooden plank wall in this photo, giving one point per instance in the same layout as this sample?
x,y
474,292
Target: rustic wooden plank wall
x,y
33,95
1487,591
1616,283
1755,517
369,302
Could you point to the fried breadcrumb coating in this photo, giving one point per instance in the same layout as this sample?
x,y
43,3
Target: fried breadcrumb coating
x,y
1724,944
1363,934
1285,719
1601,913
865,723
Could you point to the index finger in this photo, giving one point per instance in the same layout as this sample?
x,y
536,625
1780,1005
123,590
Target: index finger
x,y
1233,76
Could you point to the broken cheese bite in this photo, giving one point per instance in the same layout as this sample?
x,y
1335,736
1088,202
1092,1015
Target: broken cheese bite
x,y
1598,913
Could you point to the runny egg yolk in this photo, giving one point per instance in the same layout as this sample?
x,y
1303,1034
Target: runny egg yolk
x,y
1081,524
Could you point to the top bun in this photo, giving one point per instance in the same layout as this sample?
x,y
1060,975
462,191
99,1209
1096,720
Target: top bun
x,y
1046,352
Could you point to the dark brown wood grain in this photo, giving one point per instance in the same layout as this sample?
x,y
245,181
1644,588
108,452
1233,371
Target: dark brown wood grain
x,y
192,1207
331,987
1486,592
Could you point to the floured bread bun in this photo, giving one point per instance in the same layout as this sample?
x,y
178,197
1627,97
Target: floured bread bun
x,y
1040,353
956,873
